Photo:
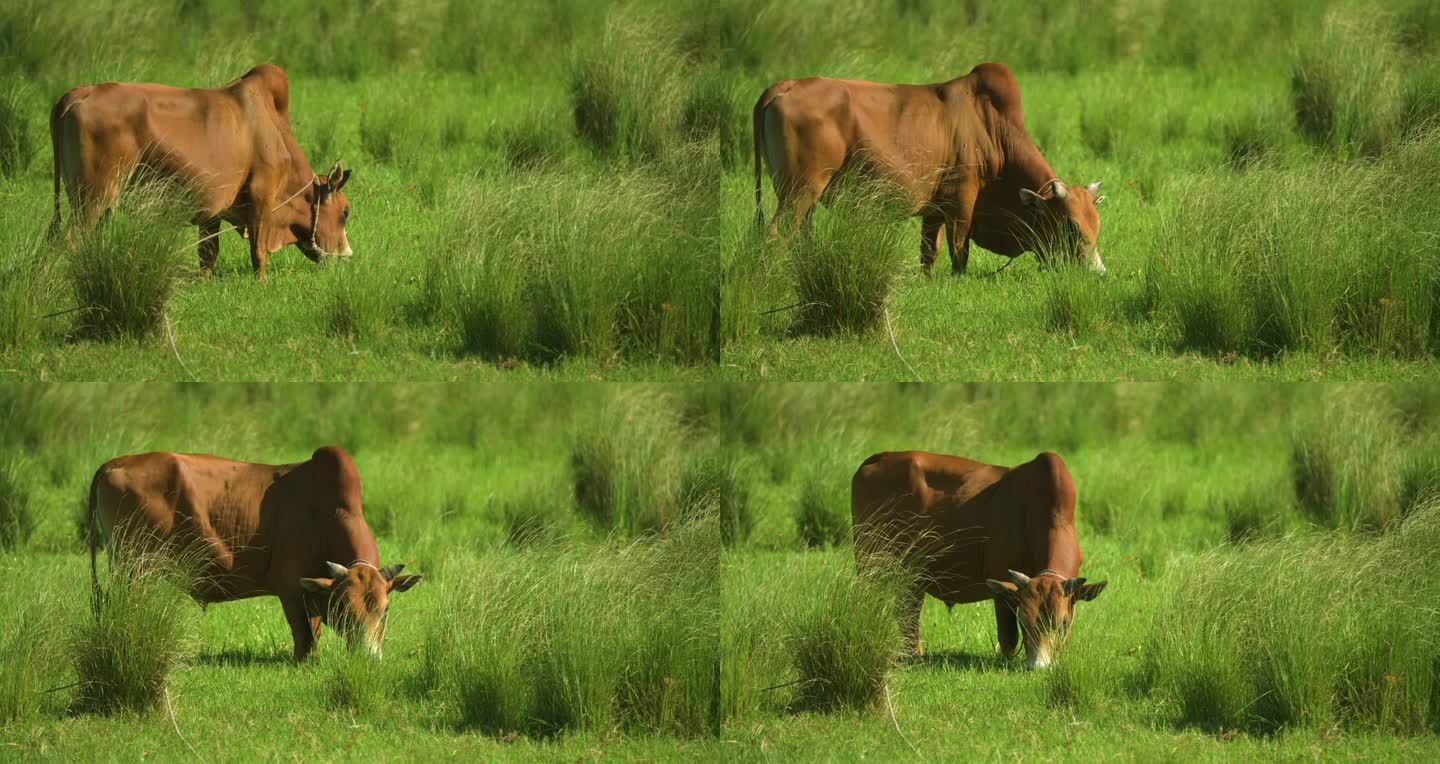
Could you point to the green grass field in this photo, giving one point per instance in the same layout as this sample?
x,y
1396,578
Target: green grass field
x,y
1268,550
1250,611
543,627
519,210
1262,219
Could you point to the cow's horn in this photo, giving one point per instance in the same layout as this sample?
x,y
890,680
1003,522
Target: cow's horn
x,y
337,572
389,572
1093,188
1019,579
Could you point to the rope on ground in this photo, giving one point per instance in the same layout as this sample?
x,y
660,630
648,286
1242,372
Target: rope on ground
x,y
782,684
63,312
171,335
891,706
1002,268
176,725
784,307
896,346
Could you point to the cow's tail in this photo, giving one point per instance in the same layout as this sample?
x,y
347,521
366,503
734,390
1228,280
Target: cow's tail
x,y
92,536
57,117
759,130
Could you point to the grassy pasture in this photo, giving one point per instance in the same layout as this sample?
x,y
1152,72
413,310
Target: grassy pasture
x,y
524,202
540,630
1241,617
1261,164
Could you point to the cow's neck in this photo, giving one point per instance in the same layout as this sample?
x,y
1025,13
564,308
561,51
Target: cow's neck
x,y
1062,550
1025,167
355,541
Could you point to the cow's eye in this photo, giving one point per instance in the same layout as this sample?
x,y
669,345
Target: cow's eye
x,y
345,215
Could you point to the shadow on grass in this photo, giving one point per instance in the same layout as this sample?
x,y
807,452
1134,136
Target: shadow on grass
x,y
958,660
232,657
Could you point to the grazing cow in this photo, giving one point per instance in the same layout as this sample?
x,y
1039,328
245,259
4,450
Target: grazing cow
x,y
230,147
263,530
980,532
956,150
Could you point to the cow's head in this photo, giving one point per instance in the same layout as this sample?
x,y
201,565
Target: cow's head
x,y
1044,606
355,601
322,233
1070,213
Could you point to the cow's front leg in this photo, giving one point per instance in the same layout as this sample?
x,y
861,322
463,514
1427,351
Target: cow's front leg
x,y
929,240
959,255
258,255
304,629
958,219
1007,629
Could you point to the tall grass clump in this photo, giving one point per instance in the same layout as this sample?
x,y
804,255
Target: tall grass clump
x,y
582,636
626,88
16,520
358,308
567,263
847,636
1345,87
713,110
124,271
624,463
31,649
842,269
1077,302
27,283
537,517
540,137
1334,630
822,514
355,680
17,140
1257,264
141,626
1347,468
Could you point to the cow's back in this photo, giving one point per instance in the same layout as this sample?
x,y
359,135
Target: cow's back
x,y
915,497
191,501
210,140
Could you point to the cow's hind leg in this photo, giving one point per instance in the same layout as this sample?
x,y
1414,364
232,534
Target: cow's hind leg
x,y
929,240
209,244
1007,629
910,606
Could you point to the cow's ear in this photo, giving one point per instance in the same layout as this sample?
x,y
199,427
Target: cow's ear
x,y
391,571
1093,188
344,178
1030,198
401,583
1099,199
1002,590
1089,592
317,585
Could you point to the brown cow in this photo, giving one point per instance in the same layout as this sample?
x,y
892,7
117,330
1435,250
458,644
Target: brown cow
x,y
957,150
231,147
264,530
981,532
